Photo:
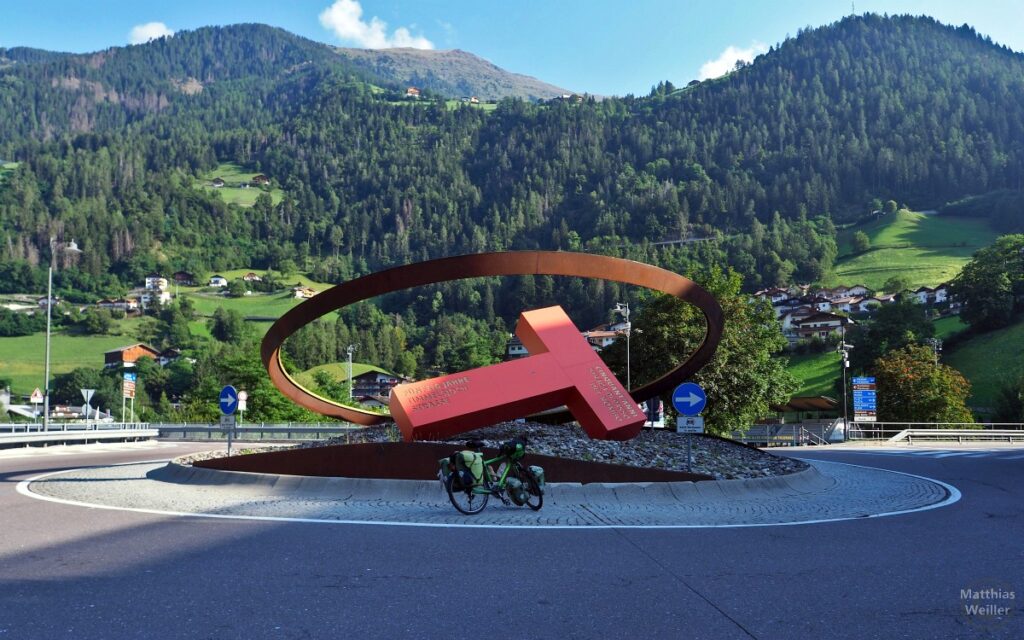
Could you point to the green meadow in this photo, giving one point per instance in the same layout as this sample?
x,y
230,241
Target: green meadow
x,y
929,249
233,175
22,358
337,370
256,306
948,326
484,106
816,373
988,361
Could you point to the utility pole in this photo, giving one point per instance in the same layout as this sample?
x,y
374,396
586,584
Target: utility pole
x,y
350,349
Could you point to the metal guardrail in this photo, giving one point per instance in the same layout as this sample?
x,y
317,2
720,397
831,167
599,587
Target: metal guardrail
x,y
959,435
255,431
37,427
887,431
83,436
786,435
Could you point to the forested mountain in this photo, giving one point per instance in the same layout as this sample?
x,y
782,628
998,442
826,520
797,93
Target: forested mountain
x,y
762,161
450,72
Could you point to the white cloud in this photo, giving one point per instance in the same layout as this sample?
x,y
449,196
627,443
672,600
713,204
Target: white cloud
x,y
725,63
150,31
345,19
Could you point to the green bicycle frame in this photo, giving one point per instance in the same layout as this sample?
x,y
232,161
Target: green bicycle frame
x,y
489,480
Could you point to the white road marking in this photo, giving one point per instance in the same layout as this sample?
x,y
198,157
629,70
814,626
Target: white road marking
x,y
23,489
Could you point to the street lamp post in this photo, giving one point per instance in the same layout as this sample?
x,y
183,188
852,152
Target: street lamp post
x,y
623,310
71,248
49,308
845,350
350,349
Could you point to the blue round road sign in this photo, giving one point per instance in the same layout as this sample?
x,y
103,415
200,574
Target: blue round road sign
x,y
228,400
689,399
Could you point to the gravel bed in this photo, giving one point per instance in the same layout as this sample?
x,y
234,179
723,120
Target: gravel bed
x,y
722,459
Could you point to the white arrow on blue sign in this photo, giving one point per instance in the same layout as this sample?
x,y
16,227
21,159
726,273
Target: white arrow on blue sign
x,y
689,399
228,400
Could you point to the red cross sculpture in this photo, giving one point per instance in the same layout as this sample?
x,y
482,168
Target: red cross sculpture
x,y
562,369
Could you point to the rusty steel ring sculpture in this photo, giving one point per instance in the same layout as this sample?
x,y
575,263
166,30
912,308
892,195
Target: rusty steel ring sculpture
x,y
510,263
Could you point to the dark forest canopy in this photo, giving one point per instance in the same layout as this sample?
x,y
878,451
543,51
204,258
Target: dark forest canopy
x,y
761,162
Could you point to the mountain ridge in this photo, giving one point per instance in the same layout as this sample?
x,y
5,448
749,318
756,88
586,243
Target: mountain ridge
x,y
762,161
450,72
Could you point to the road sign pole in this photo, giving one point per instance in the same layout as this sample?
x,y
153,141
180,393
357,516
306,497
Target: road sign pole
x,y
689,452
228,402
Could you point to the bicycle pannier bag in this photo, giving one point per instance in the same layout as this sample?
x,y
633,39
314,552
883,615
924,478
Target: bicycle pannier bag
x,y
538,474
517,491
470,466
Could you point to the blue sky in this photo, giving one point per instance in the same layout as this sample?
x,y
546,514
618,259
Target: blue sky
x,y
608,47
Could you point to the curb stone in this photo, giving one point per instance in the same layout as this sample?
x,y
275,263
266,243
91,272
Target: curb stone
x,y
808,480
827,492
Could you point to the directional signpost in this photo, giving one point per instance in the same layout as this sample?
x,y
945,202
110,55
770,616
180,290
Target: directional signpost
x,y
128,382
689,400
228,406
865,400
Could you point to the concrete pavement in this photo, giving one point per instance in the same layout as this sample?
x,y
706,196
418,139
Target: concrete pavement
x,y
73,572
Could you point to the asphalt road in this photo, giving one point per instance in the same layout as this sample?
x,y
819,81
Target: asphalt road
x,y
73,572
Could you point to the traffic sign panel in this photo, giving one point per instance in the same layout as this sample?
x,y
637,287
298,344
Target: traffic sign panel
x,y
690,424
864,380
228,400
689,399
36,397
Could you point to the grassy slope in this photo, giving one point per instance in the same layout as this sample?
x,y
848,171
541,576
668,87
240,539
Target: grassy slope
x,y
929,249
23,357
948,326
451,105
338,370
234,174
258,305
988,361
816,372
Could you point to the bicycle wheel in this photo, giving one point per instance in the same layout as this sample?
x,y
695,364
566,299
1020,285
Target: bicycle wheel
x,y
466,502
536,497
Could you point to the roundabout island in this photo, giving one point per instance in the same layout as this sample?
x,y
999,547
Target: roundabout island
x,y
581,494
